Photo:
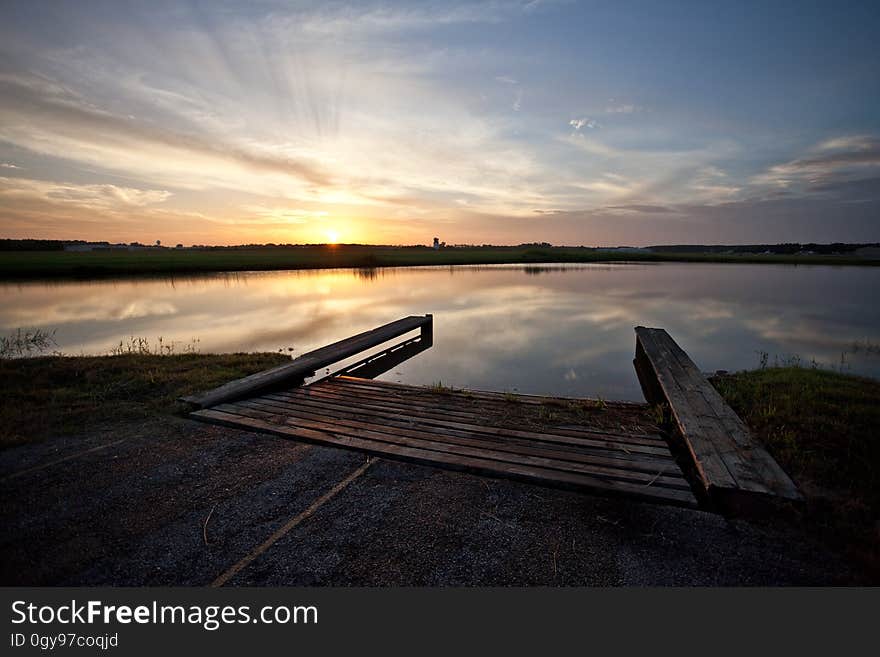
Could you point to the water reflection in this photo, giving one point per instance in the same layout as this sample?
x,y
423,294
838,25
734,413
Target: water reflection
x,y
551,329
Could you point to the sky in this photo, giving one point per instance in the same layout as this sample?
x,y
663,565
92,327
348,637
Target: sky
x,y
594,123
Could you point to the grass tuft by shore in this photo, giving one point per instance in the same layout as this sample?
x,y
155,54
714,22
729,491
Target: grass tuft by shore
x,y
823,427
48,395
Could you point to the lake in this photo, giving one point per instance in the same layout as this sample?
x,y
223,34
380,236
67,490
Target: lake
x,y
542,329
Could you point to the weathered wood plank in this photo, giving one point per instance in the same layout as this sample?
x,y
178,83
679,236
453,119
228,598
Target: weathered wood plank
x,y
438,420
462,402
295,372
429,411
474,398
500,397
707,460
443,443
645,468
733,468
431,457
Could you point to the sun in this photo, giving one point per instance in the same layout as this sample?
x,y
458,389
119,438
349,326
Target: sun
x,y
332,237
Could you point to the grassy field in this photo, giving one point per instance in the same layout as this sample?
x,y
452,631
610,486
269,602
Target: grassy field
x,y
63,264
822,427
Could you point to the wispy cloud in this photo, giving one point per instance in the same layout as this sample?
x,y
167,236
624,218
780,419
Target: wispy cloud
x,y
35,117
338,20
642,208
584,122
279,214
82,195
840,160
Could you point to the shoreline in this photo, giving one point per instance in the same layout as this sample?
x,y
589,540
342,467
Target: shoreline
x,y
65,265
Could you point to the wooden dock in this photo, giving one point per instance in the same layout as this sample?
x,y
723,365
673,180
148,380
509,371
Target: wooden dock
x,y
474,431
708,459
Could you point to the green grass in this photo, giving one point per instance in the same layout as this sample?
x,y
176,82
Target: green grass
x,y
45,396
823,427
62,264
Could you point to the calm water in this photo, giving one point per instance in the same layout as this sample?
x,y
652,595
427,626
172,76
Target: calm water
x,y
560,330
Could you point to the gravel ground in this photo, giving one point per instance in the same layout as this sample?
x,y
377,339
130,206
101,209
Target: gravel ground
x,y
133,510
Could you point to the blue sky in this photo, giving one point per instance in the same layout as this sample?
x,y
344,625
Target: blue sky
x,y
503,122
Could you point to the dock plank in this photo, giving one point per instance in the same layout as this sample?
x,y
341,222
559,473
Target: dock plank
x,y
733,468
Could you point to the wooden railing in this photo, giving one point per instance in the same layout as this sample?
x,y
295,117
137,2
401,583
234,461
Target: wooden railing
x,y
299,369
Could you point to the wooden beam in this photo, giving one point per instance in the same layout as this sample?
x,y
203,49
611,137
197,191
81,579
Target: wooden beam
x,y
737,474
294,373
449,456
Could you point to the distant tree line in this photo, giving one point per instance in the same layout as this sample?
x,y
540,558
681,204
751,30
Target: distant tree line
x,y
789,248
36,245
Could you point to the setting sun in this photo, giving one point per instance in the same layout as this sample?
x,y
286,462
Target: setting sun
x,y
332,237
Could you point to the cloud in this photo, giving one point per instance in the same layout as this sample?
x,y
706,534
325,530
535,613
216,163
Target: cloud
x,y
838,153
349,20
642,208
384,154
41,118
96,196
8,165
506,79
585,122
709,185
829,165
850,191
849,143
280,214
